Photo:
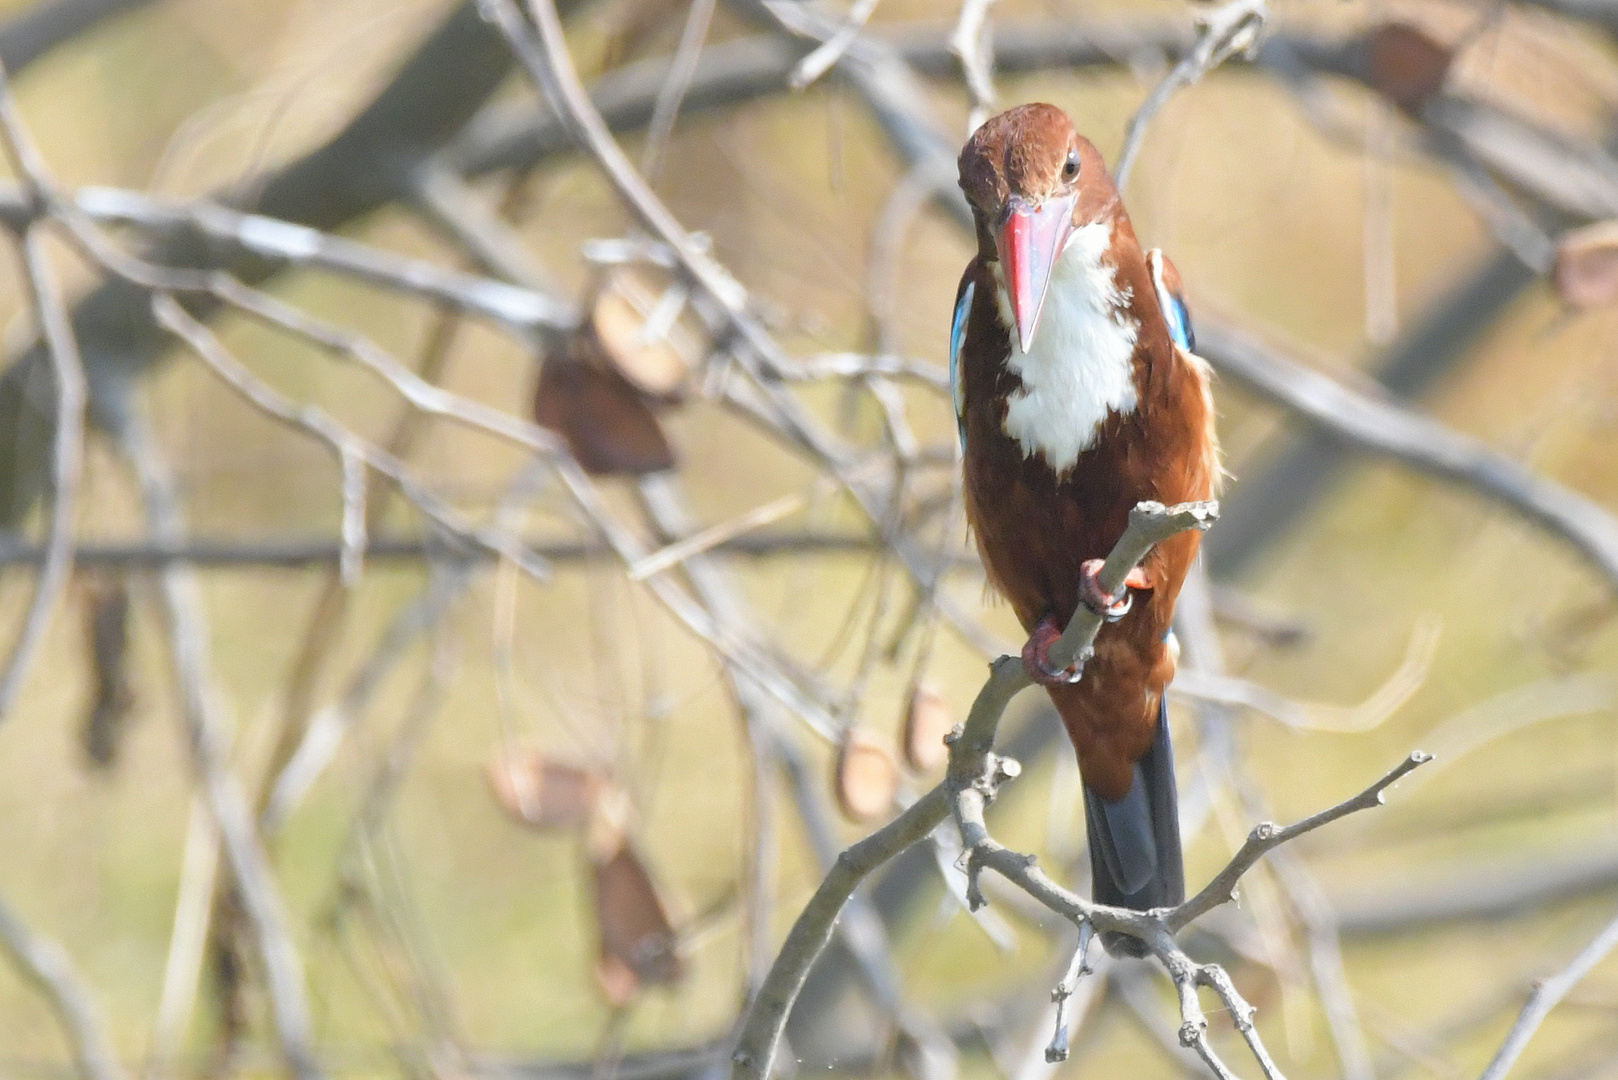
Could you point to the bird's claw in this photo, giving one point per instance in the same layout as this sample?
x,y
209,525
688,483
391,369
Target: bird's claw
x,y
1036,658
1109,606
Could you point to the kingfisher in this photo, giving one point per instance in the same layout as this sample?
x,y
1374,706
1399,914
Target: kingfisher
x,y
1078,395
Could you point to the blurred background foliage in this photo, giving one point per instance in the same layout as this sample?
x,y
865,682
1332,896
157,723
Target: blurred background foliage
x,y
1267,222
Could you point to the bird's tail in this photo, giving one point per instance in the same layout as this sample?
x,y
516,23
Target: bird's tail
x,y
1135,842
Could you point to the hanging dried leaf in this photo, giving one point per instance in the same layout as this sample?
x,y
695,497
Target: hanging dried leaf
x,y
543,793
928,718
1586,271
643,336
1406,65
107,619
638,946
606,422
866,778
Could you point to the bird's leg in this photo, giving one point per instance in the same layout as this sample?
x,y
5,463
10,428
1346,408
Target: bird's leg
x,y
1093,596
1036,656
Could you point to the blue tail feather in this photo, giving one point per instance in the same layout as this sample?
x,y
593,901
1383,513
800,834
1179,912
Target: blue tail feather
x,y
1135,842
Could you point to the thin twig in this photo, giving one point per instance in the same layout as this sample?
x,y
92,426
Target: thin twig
x,y
1222,33
185,616
524,310
1077,968
71,394
687,55
188,939
316,422
1545,997
1266,837
972,46
817,63
72,397
311,551
47,965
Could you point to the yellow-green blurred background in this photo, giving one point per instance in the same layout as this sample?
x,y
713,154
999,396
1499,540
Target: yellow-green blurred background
x,y
1266,220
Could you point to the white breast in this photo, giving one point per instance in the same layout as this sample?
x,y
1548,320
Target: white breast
x,y
1082,364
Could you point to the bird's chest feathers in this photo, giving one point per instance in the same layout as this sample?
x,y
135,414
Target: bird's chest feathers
x,y
1081,367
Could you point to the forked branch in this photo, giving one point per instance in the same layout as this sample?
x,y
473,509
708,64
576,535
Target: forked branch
x,y
974,778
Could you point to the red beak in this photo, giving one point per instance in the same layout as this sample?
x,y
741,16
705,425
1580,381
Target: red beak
x,y
1030,243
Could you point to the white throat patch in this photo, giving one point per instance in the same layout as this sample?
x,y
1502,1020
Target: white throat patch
x,y
1082,363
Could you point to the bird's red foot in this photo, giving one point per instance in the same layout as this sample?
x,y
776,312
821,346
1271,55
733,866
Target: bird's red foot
x,y
1036,657
1109,607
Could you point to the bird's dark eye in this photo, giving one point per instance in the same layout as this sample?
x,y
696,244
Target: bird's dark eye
x,y
1071,169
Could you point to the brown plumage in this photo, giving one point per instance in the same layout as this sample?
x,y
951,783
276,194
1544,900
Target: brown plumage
x,y
1035,527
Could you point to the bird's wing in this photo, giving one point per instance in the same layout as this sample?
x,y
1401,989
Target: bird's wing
x,y
957,339
1171,298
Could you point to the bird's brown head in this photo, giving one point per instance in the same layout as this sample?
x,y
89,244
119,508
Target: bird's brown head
x,y
1030,178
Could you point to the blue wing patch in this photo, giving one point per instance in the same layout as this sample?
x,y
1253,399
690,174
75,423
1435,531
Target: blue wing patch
x,y
1175,312
1179,318
957,338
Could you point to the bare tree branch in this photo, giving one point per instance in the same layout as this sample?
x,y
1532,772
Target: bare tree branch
x,y
300,551
1267,837
68,384
523,310
370,162
687,55
185,615
48,967
1545,997
67,377
1223,32
1415,441
971,759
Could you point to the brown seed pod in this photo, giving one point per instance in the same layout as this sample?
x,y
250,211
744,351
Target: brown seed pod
x,y
1586,271
113,695
638,946
865,777
1406,65
546,794
928,718
654,359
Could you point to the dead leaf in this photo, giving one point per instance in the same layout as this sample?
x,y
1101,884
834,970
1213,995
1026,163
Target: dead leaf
x,y
928,718
1586,271
607,423
1407,66
866,778
638,946
546,794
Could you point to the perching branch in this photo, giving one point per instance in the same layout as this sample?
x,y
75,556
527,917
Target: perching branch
x,y
767,1014
971,759
974,777
1267,837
